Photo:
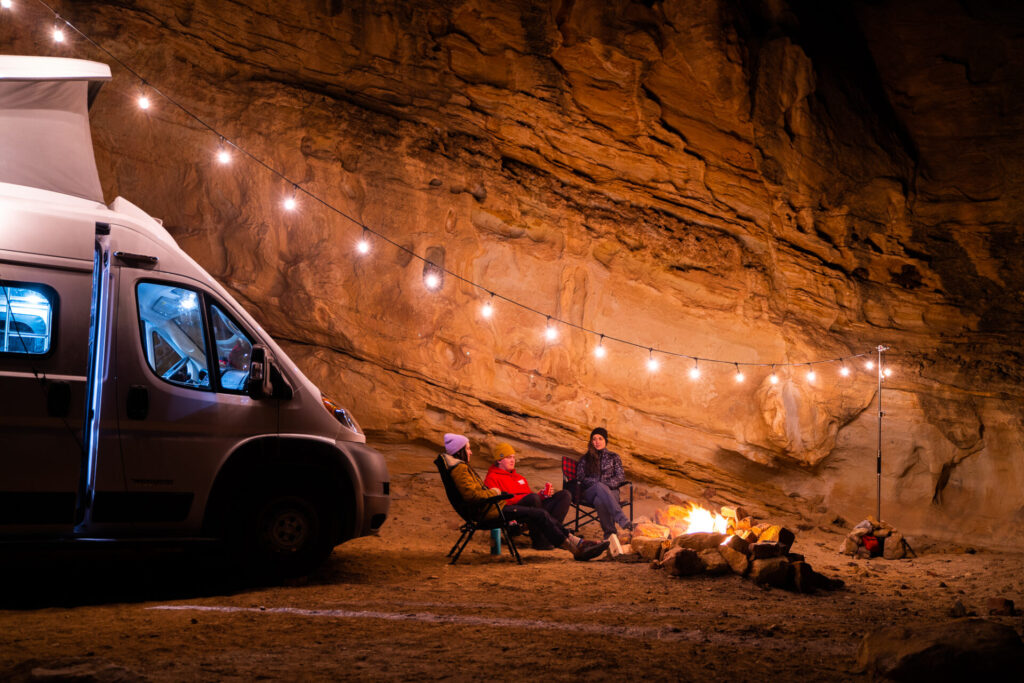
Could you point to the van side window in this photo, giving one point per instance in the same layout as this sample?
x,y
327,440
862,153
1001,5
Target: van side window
x,y
233,348
26,318
173,335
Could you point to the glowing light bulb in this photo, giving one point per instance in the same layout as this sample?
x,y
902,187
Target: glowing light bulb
x,y
600,351
550,333
143,102
887,372
363,246
223,156
652,362
58,35
487,310
810,375
739,377
6,4
773,378
290,204
870,365
432,281
694,371
844,371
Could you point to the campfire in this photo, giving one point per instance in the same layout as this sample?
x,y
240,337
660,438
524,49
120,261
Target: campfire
x,y
687,540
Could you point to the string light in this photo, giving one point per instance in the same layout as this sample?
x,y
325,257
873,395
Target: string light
x,y
487,310
844,371
290,203
887,372
870,365
652,362
5,4
550,333
810,373
433,275
363,245
223,155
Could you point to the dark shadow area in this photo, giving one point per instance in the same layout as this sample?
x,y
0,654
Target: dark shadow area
x,y
73,577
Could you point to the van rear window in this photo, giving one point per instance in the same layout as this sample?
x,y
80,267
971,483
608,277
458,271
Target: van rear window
x,y
26,318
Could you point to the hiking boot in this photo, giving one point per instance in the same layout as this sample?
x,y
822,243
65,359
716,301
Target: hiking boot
x,y
588,550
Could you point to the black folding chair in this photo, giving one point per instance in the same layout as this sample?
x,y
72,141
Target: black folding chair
x,y
584,513
474,514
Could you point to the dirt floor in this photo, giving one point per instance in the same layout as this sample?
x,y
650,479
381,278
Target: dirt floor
x,y
391,607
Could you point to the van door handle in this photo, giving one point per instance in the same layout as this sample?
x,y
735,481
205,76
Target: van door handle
x,y
138,402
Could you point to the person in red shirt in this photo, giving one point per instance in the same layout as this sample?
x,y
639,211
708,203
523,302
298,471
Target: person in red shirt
x,y
503,476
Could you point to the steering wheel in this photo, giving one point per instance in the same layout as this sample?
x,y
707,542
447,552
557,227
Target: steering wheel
x,y
175,368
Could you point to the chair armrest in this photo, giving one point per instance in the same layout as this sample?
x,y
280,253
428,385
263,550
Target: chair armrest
x,y
500,496
625,483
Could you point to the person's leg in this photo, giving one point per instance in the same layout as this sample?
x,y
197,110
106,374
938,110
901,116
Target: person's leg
x,y
538,541
541,525
557,505
606,502
532,500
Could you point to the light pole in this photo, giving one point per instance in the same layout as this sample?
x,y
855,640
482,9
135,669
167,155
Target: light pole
x,y
878,465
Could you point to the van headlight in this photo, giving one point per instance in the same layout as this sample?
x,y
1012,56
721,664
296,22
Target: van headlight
x,y
341,415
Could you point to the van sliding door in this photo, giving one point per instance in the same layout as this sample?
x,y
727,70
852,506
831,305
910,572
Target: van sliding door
x,y
44,314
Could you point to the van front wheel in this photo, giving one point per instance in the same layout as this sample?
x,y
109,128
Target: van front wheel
x,y
290,530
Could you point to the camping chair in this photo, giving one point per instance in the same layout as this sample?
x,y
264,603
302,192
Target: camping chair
x,y
473,515
584,513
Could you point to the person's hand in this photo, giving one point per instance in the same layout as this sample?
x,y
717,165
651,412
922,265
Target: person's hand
x,y
494,492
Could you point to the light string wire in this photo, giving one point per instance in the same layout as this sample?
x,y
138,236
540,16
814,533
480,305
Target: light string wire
x,y
296,187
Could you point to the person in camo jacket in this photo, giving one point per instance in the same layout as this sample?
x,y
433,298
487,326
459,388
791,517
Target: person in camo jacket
x,y
599,475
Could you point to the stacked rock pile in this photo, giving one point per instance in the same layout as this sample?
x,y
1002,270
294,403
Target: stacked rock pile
x,y
874,538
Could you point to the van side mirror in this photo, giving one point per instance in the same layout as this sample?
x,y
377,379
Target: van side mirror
x,y
258,385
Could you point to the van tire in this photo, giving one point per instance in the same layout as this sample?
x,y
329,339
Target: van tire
x,y
287,529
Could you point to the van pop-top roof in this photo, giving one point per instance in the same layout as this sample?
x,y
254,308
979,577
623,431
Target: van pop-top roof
x,y
45,140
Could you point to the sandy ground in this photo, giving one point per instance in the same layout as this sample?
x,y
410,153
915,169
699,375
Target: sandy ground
x,y
391,607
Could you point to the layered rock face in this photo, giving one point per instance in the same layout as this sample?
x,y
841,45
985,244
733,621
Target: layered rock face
x,y
767,183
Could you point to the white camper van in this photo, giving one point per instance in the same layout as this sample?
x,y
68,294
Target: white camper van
x,y
138,400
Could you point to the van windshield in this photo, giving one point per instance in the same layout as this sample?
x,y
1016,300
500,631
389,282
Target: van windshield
x,y
233,348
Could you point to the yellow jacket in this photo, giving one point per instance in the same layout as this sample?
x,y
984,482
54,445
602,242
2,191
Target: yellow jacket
x,y
471,487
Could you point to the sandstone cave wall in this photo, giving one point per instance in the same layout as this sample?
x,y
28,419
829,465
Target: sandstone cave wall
x,y
758,182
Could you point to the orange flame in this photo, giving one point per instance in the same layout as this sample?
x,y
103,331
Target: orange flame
x,y
691,518
702,520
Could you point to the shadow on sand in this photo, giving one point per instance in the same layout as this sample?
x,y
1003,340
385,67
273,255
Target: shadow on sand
x,y
36,579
